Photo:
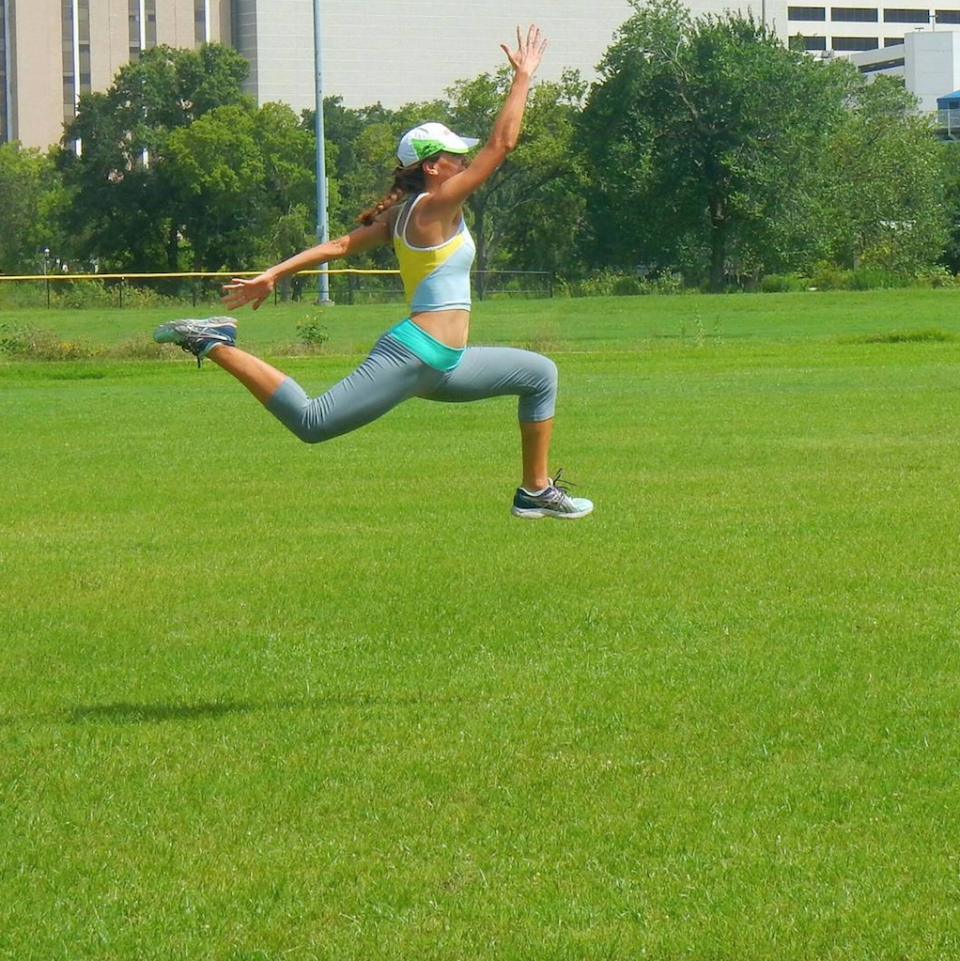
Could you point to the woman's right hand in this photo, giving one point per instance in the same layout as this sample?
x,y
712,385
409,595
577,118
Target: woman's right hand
x,y
526,58
241,292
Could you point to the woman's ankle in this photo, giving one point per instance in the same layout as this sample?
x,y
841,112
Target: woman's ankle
x,y
536,483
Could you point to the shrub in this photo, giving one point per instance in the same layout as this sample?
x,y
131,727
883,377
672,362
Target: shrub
x,y
781,283
139,348
827,276
137,297
312,333
78,295
15,295
610,283
600,284
16,339
24,342
626,286
670,283
873,278
940,276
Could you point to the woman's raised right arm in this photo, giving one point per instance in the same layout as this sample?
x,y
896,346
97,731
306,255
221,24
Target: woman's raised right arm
x,y
506,128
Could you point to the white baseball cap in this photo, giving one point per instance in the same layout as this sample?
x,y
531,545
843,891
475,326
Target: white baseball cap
x,y
430,138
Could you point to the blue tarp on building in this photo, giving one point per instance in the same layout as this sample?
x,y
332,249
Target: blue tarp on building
x,y
950,102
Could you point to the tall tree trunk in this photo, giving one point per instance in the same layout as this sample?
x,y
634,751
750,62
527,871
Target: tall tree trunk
x,y
718,245
173,247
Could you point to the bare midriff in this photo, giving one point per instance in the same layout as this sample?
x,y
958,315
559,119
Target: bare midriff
x,y
450,327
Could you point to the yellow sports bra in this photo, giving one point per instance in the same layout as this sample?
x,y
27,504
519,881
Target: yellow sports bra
x,y
434,278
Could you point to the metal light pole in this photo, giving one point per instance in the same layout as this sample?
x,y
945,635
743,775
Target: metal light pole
x,y
323,295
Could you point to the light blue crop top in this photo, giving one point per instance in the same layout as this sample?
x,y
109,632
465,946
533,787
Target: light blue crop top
x,y
435,278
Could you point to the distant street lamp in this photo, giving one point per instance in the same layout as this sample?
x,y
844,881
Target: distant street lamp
x,y
323,231
46,268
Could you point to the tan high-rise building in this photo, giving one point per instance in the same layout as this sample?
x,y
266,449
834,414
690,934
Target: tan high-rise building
x,y
51,51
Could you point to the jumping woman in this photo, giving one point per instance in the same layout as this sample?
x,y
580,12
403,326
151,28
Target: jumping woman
x,y
425,355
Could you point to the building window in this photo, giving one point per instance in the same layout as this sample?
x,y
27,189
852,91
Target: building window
x,y
882,65
806,13
200,14
899,15
67,28
83,38
133,11
143,26
947,16
854,14
892,41
4,74
855,43
814,43
150,33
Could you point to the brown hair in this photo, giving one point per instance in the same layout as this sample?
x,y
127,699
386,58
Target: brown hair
x,y
406,180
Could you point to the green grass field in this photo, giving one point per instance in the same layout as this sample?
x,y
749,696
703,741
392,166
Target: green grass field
x,y
262,701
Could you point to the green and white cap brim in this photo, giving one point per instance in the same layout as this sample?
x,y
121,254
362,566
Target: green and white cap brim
x,y
430,138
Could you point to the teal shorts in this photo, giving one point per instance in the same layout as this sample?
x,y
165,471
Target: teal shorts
x,y
439,356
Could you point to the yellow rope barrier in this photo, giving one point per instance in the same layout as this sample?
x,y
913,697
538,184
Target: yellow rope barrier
x,y
220,273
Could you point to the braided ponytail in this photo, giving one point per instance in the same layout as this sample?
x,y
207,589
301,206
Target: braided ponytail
x,y
406,180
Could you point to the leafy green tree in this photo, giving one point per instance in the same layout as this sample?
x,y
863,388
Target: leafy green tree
x,y
361,149
32,198
289,152
694,136
122,209
883,182
526,213
289,159
359,163
245,183
951,162
216,171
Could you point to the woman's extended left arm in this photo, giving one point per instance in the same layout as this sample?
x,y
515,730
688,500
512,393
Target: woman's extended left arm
x,y
257,289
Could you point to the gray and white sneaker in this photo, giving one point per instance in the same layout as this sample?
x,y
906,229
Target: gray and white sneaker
x,y
198,337
552,501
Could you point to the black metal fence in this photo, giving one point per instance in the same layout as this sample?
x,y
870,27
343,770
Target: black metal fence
x,y
134,291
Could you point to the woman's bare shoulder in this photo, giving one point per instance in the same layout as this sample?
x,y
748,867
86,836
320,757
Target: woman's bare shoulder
x,y
391,215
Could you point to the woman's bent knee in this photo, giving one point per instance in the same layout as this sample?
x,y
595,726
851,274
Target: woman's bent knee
x,y
292,407
309,435
550,374
541,401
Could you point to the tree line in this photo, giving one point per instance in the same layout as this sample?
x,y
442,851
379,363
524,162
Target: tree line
x,y
705,148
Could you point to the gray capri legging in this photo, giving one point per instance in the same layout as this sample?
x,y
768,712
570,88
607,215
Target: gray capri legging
x,y
392,374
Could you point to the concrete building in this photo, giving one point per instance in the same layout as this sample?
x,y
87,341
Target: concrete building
x,y
276,36
388,51
400,51
41,81
849,30
928,62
